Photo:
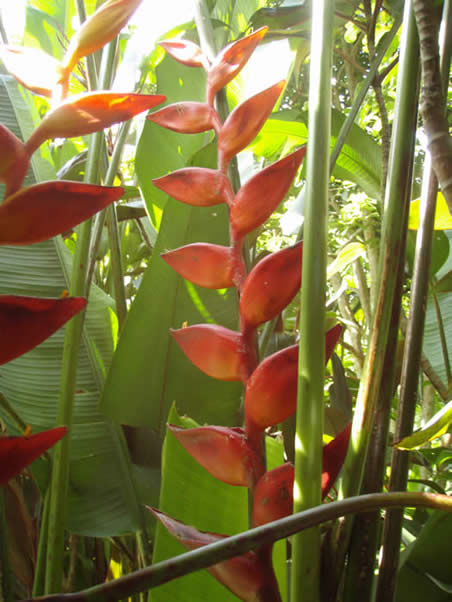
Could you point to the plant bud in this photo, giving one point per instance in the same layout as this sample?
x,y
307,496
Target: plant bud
x,y
247,576
245,122
186,52
230,61
260,196
271,391
215,350
186,117
44,210
32,68
14,161
197,186
27,321
271,285
202,263
99,29
88,113
18,452
273,495
222,451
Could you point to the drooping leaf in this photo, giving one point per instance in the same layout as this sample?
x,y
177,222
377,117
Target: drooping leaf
x,y
87,113
434,428
37,213
27,321
345,257
443,218
18,452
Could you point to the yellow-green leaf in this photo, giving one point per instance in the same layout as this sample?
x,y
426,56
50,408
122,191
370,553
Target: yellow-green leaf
x,y
434,428
345,257
443,218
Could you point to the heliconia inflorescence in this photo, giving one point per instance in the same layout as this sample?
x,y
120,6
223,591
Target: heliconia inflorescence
x,y
236,455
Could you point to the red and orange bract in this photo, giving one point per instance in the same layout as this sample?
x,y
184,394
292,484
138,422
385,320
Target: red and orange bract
x,y
34,69
186,117
202,263
14,161
186,52
18,452
44,210
197,186
25,322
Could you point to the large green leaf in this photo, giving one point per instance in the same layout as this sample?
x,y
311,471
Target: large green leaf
x,y
358,162
101,493
432,340
149,372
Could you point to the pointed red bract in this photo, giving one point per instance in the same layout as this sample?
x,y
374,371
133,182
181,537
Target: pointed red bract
x,y
271,391
230,61
202,263
99,29
196,186
44,210
273,495
27,321
13,161
34,69
247,576
261,195
271,285
186,117
213,349
245,122
88,113
18,452
222,451
186,52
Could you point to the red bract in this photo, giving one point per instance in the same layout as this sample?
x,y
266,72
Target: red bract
x,y
261,195
203,264
101,27
213,349
247,576
33,68
88,113
13,161
18,452
196,186
186,117
230,61
27,321
186,52
44,210
271,285
224,452
245,121
271,391
273,495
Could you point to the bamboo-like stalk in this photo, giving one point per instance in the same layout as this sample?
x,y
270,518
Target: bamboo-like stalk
x,y
71,349
309,421
397,197
206,556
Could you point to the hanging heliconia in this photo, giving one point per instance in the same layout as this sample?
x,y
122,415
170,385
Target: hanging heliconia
x,y
236,455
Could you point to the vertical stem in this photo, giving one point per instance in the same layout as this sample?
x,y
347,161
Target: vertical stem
x,y
309,421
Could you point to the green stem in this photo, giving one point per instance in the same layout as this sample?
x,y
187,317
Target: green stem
x,y
309,420
206,556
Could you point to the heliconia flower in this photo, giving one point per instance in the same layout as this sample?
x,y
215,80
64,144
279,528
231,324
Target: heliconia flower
x,y
99,29
271,285
202,263
247,576
89,112
260,196
197,186
186,117
44,210
27,321
14,161
186,52
213,349
18,452
230,61
245,121
273,494
34,69
222,451
271,391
